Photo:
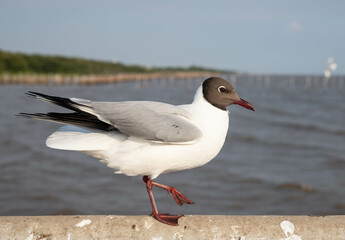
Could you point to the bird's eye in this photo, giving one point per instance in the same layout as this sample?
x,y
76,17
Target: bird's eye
x,y
222,89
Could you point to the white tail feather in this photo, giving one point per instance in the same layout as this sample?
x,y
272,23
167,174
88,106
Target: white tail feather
x,y
78,140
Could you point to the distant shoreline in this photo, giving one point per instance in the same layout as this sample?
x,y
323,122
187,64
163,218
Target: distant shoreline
x,y
89,79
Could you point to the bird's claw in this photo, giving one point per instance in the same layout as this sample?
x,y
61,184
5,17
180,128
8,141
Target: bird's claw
x,y
179,197
167,219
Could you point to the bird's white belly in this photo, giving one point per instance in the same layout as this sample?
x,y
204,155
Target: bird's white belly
x,y
137,157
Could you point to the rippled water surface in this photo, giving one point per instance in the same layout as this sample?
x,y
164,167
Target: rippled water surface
x,y
288,157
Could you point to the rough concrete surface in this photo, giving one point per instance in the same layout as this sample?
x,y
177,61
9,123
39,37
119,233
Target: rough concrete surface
x,y
190,227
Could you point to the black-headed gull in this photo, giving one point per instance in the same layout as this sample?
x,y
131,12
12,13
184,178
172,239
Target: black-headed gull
x,y
144,137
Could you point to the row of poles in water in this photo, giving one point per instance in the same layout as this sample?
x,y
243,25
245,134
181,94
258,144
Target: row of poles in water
x,y
307,82
258,81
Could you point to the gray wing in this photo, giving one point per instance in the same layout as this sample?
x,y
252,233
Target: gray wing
x,y
149,120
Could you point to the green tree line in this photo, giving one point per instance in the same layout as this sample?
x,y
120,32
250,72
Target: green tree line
x,y
34,63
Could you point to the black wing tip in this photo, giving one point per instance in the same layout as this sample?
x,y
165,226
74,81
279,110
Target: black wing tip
x,y
36,94
22,115
28,115
31,94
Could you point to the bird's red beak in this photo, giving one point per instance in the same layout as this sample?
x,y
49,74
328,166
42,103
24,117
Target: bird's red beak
x,y
245,104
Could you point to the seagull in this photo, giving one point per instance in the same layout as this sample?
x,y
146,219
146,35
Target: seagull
x,y
146,138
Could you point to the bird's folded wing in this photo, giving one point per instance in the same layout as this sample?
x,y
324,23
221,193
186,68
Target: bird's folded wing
x,y
149,120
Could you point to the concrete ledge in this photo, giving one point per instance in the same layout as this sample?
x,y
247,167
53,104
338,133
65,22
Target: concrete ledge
x,y
191,227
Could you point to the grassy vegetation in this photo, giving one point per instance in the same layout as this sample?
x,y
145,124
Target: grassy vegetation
x,y
33,63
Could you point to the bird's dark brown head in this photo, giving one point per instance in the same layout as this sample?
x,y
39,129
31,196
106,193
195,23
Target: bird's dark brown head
x,y
222,94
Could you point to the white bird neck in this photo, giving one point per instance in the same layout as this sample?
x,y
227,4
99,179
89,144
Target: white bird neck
x,y
200,100
207,113
198,94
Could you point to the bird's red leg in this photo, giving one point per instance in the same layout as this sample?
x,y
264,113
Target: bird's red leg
x,y
164,217
178,197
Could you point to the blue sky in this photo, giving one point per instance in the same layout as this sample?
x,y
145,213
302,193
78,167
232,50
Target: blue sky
x,y
294,37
